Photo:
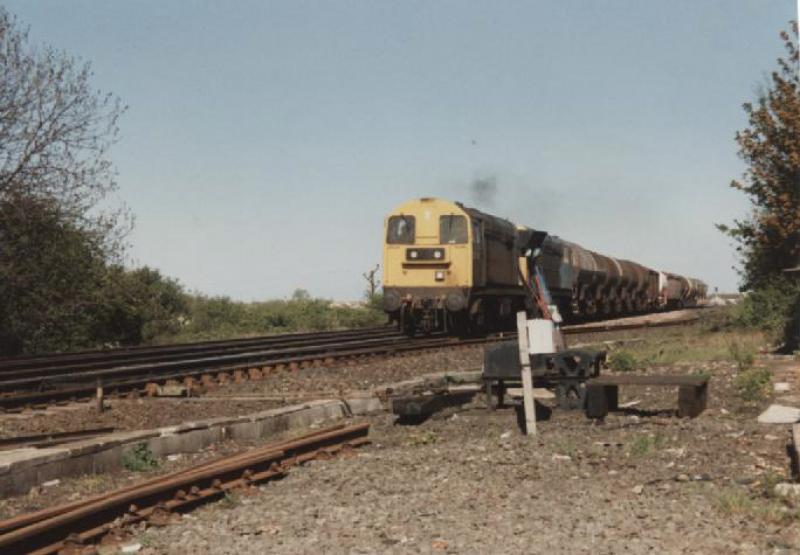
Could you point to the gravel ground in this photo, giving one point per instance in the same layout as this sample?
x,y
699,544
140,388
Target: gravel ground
x,y
361,375
468,482
147,413
277,389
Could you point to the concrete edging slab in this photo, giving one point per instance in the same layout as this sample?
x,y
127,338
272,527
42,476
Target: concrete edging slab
x,y
22,469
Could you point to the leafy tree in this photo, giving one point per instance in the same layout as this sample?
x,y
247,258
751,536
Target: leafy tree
x,y
301,295
138,306
769,239
50,274
55,129
56,239
57,291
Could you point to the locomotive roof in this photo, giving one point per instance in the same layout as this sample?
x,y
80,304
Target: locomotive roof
x,y
453,206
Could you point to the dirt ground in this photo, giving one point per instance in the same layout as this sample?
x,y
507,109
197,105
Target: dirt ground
x,y
279,388
282,388
467,481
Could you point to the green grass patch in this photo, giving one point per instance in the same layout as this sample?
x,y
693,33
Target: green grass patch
x,y
223,318
742,354
734,501
566,447
230,500
644,446
700,343
139,458
427,437
753,385
624,361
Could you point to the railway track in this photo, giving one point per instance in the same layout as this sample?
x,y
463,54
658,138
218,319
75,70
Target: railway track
x,y
38,391
40,381
74,525
87,360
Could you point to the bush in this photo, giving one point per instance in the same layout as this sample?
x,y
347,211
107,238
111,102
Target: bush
x,y
624,361
742,355
772,308
50,275
59,292
138,305
753,385
139,458
221,317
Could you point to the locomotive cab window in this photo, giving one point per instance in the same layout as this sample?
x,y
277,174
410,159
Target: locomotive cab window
x,y
452,230
400,230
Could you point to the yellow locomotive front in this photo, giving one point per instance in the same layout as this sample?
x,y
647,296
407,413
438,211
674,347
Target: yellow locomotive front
x,y
447,267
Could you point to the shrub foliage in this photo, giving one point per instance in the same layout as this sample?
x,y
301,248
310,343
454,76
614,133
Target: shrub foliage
x,y
768,240
62,282
218,317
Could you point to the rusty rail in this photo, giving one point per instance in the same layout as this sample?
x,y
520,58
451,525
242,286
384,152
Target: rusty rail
x,y
51,530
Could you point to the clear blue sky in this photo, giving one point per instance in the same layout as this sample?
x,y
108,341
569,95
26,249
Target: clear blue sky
x,y
265,141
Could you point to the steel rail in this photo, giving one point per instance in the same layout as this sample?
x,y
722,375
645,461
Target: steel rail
x,y
46,532
37,381
129,378
55,372
103,359
64,387
23,359
132,353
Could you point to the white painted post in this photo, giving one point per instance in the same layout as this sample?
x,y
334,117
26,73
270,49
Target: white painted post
x,y
527,378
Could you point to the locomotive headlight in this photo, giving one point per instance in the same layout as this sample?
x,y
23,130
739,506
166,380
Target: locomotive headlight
x,y
439,275
413,254
437,254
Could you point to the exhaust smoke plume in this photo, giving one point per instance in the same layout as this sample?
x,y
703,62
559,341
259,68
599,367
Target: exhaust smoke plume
x,y
522,200
483,190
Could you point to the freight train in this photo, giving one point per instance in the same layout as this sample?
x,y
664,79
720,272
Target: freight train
x,y
447,267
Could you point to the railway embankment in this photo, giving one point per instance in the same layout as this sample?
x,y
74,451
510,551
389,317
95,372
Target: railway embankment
x,y
465,479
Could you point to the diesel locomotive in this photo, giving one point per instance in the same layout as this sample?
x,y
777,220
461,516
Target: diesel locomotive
x,y
447,267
